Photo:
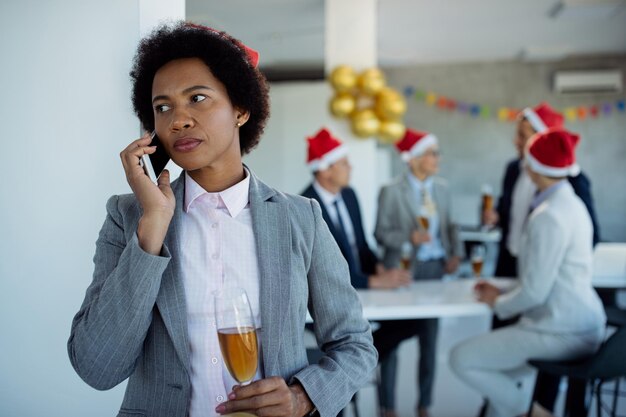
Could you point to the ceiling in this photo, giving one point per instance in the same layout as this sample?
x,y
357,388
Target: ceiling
x,y
290,33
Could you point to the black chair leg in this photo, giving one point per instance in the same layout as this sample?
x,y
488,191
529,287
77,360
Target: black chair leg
x,y
483,409
615,395
599,399
576,404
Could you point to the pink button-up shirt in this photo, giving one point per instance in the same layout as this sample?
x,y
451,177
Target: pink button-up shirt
x,y
218,251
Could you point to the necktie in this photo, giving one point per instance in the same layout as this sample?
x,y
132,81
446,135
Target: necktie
x,y
341,229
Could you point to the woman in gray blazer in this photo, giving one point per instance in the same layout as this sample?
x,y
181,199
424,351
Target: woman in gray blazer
x,y
163,248
562,317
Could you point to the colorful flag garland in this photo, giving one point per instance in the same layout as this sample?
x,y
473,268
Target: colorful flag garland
x,y
509,114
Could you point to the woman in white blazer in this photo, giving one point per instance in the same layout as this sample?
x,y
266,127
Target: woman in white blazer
x,y
561,315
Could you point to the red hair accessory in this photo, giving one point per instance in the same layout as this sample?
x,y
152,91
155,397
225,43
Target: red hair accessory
x,y
253,56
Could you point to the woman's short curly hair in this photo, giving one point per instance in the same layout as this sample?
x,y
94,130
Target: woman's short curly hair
x,y
226,58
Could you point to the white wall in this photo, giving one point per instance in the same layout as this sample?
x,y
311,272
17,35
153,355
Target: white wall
x,y
66,114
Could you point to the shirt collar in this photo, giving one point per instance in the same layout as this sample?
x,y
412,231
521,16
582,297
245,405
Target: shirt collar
x,y
234,198
327,197
542,196
416,182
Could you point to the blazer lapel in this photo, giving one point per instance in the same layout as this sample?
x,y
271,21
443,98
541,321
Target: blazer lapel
x,y
442,209
409,198
272,233
171,298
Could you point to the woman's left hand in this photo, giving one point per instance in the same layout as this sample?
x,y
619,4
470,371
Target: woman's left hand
x,y
268,397
486,292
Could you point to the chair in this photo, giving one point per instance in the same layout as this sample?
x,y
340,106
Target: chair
x,y
608,363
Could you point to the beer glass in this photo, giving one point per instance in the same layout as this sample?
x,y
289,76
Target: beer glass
x,y
405,256
477,258
422,218
486,204
236,333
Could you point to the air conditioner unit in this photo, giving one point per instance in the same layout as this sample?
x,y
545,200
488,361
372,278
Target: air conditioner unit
x,y
588,82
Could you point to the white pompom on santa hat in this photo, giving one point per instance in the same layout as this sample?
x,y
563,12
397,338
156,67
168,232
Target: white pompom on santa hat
x,y
324,150
543,117
552,153
415,143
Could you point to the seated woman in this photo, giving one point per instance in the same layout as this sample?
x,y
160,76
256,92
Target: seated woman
x,y
562,316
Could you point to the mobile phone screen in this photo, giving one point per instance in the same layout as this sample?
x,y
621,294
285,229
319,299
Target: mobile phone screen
x,y
154,163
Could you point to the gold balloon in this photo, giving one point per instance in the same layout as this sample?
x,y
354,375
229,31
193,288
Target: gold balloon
x,y
371,81
365,123
342,104
390,105
343,78
391,131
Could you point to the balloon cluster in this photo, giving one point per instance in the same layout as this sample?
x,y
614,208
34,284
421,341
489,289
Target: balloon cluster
x,y
372,107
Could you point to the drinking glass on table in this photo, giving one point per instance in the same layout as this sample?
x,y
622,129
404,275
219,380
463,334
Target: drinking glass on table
x,y
405,256
477,258
236,333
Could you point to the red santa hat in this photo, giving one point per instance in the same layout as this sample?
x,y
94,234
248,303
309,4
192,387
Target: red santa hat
x,y
324,150
551,153
414,143
542,117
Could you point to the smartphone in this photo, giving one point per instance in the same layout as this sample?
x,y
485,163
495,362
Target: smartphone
x,y
154,163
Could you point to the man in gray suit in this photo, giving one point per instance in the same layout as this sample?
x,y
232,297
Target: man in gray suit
x,y
414,211
148,314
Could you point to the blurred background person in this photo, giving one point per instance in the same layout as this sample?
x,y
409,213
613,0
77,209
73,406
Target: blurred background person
x,y
328,161
516,195
518,190
562,316
415,208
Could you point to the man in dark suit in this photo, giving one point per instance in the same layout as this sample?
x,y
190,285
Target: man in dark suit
x,y
340,209
327,158
517,193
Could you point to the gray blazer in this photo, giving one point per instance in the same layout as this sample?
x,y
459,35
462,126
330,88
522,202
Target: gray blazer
x,y
397,219
133,323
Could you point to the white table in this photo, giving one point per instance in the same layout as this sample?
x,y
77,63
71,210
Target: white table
x,y
477,234
609,281
425,299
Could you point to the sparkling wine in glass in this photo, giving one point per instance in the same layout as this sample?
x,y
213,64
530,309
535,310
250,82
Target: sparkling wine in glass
x,y
477,259
423,221
405,256
236,333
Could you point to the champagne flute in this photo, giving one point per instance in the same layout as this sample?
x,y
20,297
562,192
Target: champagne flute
x,y
477,259
405,256
486,204
236,333
422,218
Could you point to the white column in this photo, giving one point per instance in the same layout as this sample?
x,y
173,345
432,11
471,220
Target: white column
x,y
351,39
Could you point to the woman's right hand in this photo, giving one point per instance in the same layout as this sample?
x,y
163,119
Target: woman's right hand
x,y
157,201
